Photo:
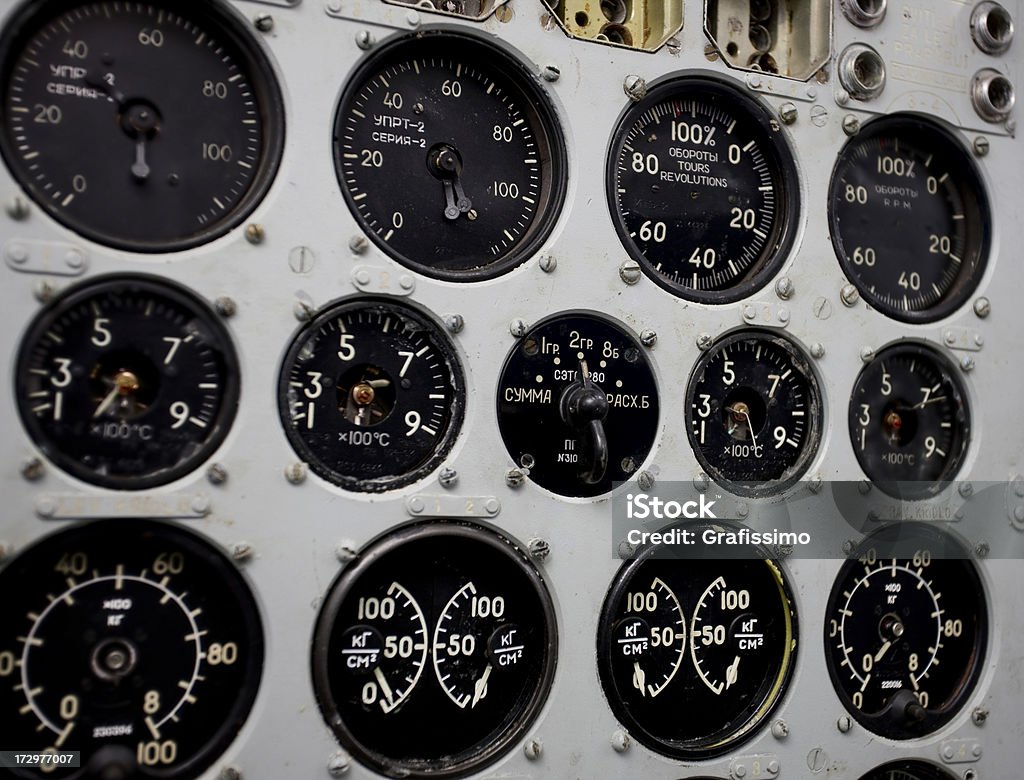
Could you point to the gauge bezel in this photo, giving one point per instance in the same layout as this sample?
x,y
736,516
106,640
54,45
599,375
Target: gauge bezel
x,y
622,580
158,287
716,88
30,17
978,222
371,553
356,485
496,55
906,490
817,410
931,771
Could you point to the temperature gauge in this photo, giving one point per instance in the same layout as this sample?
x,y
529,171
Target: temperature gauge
x,y
461,596
578,404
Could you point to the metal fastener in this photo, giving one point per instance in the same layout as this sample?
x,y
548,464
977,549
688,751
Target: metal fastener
x,y
982,307
948,752
295,473
648,338
32,469
967,364
851,125
817,760
844,724
630,272
780,729
454,322
867,354
849,295
200,505
230,772
345,550
784,288
620,741
848,547
448,477
517,328
17,208
44,291
980,146
700,482
645,480
815,484
673,45
74,259
514,478
979,715
547,263
550,73
704,342
18,253
539,548
635,88
533,748
966,489
364,39
787,113
264,22
742,509
412,19
254,233
416,505
225,306
217,474
492,506
406,282
982,549
339,763
817,350
504,14
358,244
241,551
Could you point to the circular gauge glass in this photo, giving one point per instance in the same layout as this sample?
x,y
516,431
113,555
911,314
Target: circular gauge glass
x,y
127,382
909,421
449,156
134,642
695,654
906,631
434,650
754,412
150,126
908,770
371,395
702,188
909,218
578,404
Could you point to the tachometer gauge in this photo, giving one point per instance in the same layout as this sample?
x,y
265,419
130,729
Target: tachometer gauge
x,y
703,189
434,650
578,404
449,155
753,412
909,421
909,218
908,770
371,395
906,631
695,654
134,642
127,382
150,126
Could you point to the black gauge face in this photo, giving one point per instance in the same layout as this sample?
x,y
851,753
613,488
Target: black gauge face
x,y
371,395
449,156
695,654
149,126
578,405
909,421
905,637
753,413
434,650
909,218
702,188
908,770
132,641
127,382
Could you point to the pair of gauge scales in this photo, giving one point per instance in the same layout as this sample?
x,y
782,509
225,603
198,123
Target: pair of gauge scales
x,y
140,644
154,127
130,382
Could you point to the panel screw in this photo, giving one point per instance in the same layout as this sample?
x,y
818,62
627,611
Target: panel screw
x,y
704,342
867,354
358,244
851,125
345,550
966,489
700,482
517,328
295,473
620,741
539,548
454,322
550,73
231,772
448,477
849,295
547,262
645,480
979,715
844,724
982,307
635,88
303,310
848,547
817,350
784,288
241,551
967,364
503,14
339,764
673,45
33,469
533,748
980,146
44,291
787,113
648,338
225,306
264,23
780,729
514,478
981,549
217,474
742,509
815,484
254,233
630,272
17,208
364,39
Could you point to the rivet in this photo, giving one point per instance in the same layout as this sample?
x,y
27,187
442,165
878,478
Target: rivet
x,y
254,233
982,307
787,113
217,474
264,22
295,473
533,748
225,306
454,322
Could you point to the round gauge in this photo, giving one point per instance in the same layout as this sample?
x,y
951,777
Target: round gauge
x,y
909,421
127,382
578,404
150,126
754,413
908,770
371,395
702,189
909,218
132,641
695,654
906,631
449,155
434,650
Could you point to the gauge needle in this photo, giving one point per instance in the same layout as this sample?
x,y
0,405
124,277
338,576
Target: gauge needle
x,y
480,687
107,401
384,687
883,651
639,678
750,427
732,673
927,401
140,170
